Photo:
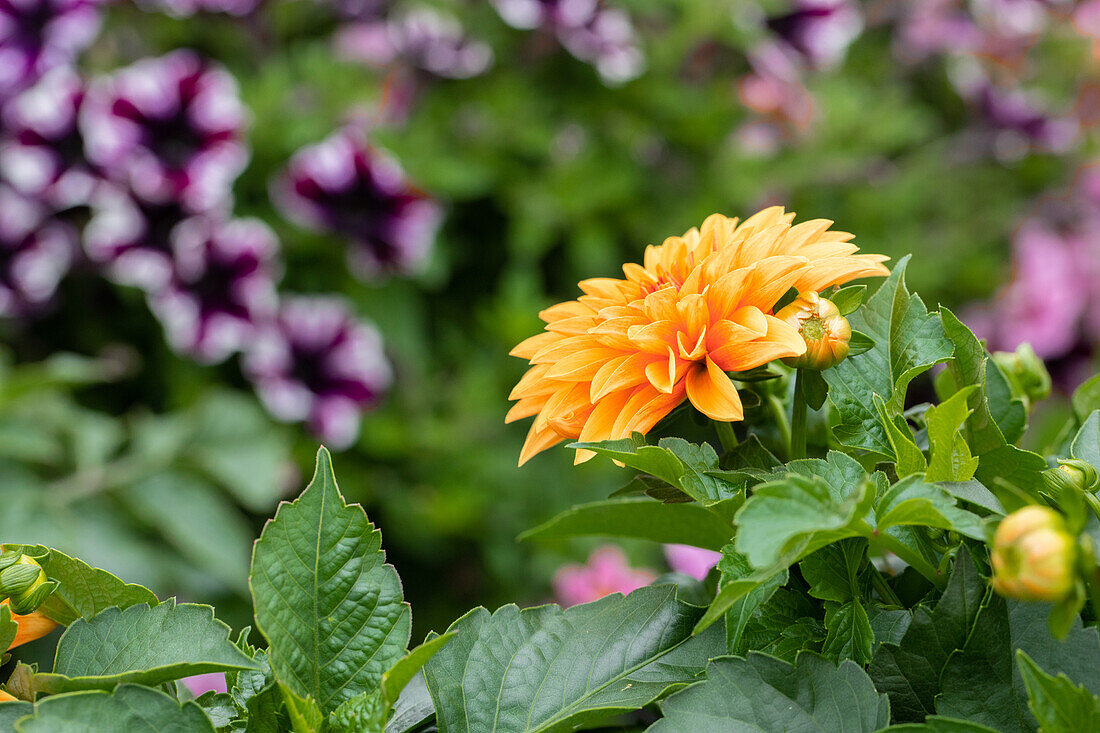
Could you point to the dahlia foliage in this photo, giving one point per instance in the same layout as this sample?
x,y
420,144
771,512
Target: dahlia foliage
x,y
844,555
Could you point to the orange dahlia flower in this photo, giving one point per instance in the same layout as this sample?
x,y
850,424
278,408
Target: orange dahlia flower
x,y
620,357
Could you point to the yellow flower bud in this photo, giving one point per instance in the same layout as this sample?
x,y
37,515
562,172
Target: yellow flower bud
x,y
1033,555
826,332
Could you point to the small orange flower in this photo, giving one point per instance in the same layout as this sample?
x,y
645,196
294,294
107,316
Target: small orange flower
x,y
827,333
624,354
31,626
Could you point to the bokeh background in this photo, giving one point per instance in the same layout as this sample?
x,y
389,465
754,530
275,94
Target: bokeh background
x,y
232,229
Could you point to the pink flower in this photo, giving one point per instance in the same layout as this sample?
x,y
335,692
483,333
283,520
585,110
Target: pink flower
x,y
693,561
607,572
200,683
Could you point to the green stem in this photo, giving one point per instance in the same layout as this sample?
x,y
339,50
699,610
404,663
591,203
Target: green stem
x,y
726,435
775,406
910,556
1093,502
798,420
884,588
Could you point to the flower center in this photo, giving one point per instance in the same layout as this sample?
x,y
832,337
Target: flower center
x,y
813,329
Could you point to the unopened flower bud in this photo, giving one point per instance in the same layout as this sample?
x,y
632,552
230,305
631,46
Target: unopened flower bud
x,y
9,557
1033,555
17,579
826,332
25,584
1027,374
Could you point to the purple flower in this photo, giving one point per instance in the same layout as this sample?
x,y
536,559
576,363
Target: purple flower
x,y
200,683
35,253
820,31
362,10
933,26
42,153
222,286
169,128
186,8
423,37
343,185
38,35
607,572
1019,122
592,32
132,237
693,561
315,362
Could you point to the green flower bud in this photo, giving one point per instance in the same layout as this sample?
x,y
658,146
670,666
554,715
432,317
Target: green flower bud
x,y
1027,374
1033,555
30,600
9,557
18,579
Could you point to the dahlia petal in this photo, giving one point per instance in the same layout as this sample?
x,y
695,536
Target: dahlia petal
x,y
838,270
639,274
693,314
780,341
654,338
804,233
531,346
534,383
645,408
774,277
662,374
526,407
692,352
726,293
581,365
613,333
573,326
539,438
600,424
556,351
713,394
569,309
620,373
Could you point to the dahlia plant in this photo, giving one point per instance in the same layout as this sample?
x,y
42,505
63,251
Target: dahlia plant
x,y
863,544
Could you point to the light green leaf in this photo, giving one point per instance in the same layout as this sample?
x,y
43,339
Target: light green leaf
x,y
793,516
303,712
908,341
414,707
850,635
849,299
8,627
909,458
545,669
399,675
329,606
1086,444
267,711
143,645
13,711
199,520
128,708
1086,398
84,591
365,713
1059,705
911,501
949,455
684,524
761,693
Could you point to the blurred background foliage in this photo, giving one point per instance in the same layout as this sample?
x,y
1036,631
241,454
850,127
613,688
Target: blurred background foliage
x,y
549,168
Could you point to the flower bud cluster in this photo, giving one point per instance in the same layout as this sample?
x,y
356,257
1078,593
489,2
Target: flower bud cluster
x,y
23,582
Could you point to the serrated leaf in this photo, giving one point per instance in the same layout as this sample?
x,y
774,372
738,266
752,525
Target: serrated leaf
x,y
1059,705
949,455
329,606
548,669
849,633
735,567
304,714
832,570
84,591
218,707
365,713
983,682
909,671
142,645
793,516
683,524
1086,444
908,341
909,458
912,501
128,708
764,693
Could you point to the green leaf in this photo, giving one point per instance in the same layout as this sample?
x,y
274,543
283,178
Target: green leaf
x,y
684,524
200,521
850,635
1086,444
909,671
735,567
84,591
949,455
983,682
329,606
908,341
815,389
831,571
889,626
399,675
1009,467
849,299
13,711
793,516
548,669
365,713
998,417
414,707
765,694
143,645
218,707
8,627
303,712
1086,398
939,724
911,501
909,458
860,343
1059,705
267,711
128,708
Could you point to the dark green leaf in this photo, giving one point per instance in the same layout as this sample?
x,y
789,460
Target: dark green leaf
x,y
848,299
735,567
128,708
218,706
1086,444
760,693
860,343
815,389
889,626
1059,705
330,607
414,707
143,645
939,724
849,633
545,669
684,524
1086,398
908,341
831,571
